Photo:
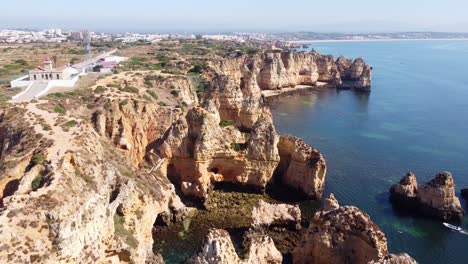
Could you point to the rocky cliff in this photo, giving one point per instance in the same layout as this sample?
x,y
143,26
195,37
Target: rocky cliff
x,y
69,196
436,198
279,69
218,248
230,138
343,234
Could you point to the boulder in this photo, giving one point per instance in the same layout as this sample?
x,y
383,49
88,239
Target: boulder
x,y
265,214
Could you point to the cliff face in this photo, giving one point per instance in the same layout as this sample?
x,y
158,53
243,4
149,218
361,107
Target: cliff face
x,y
231,138
301,167
436,198
133,125
343,235
73,197
218,248
277,69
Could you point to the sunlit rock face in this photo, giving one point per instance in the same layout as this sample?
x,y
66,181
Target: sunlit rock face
x,y
344,234
436,198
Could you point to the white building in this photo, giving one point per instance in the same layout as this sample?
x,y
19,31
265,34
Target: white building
x,y
48,72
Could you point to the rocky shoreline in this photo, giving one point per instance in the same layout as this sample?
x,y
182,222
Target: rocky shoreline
x,y
125,173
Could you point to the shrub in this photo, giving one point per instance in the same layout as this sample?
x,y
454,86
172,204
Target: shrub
x,y
100,89
60,109
36,183
153,94
175,93
226,123
130,89
38,158
70,123
239,146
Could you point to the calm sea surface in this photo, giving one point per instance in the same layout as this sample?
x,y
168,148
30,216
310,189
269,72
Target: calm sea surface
x,y
415,119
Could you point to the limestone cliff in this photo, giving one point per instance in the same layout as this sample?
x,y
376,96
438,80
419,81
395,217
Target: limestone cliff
x,y
342,235
72,197
219,249
301,167
133,125
279,69
231,138
436,198
265,214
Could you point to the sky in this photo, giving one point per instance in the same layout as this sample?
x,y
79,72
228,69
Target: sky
x,y
347,16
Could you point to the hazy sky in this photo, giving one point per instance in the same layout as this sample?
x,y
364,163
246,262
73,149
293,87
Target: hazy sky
x,y
249,15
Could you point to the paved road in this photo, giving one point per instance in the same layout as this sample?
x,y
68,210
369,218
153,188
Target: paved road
x,y
92,61
31,93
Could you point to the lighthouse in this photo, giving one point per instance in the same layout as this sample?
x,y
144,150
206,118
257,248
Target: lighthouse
x,y
48,65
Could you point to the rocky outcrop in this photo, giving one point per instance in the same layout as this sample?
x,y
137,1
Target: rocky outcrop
x,y
132,125
330,203
402,258
279,69
199,152
436,198
265,214
301,167
342,235
355,74
218,248
86,206
231,139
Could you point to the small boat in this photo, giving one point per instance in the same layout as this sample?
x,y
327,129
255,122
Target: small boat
x,y
456,228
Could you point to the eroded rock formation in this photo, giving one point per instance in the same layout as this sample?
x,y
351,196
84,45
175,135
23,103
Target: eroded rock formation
x,y
301,167
265,214
279,69
342,235
436,198
218,248
231,139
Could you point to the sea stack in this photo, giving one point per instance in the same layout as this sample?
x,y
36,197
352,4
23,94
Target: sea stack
x,y
435,199
344,234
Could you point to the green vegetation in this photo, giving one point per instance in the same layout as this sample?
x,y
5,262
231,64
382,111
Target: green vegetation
x,y
70,123
198,68
239,146
60,109
100,89
130,89
123,233
175,93
199,83
226,123
36,183
153,94
149,79
124,102
38,158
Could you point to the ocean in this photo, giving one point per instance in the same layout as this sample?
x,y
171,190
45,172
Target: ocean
x,y
414,119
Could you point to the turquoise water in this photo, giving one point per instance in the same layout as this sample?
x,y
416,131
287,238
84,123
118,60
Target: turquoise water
x,y
415,119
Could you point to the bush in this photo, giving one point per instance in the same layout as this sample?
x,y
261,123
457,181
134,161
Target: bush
x,y
100,89
226,123
239,146
175,93
60,109
71,123
153,94
36,183
130,89
38,158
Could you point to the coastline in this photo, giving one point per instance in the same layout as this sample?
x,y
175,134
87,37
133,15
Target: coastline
x,y
369,40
